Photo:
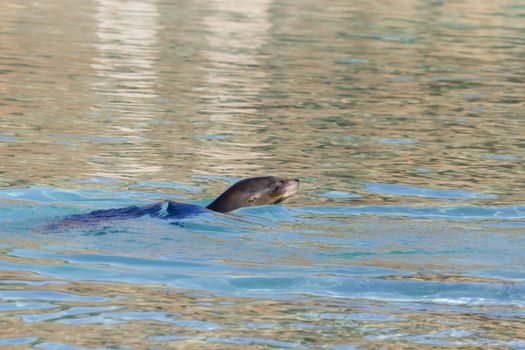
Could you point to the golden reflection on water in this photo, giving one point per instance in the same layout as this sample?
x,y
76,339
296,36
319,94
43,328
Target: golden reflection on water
x,y
127,46
205,321
162,91
235,32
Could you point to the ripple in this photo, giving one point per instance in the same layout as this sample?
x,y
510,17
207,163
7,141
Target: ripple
x,y
8,138
342,347
17,341
166,337
255,341
92,138
213,137
32,283
397,141
44,194
355,317
95,180
25,306
64,346
197,324
452,212
47,295
57,316
350,60
141,315
338,195
501,157
157,184
405,190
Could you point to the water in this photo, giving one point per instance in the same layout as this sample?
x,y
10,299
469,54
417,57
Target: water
x,y
403,120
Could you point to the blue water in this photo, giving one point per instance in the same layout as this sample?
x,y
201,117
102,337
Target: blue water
x,y
277,251
390,262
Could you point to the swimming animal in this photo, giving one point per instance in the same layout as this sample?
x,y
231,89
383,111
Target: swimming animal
x,y
249,192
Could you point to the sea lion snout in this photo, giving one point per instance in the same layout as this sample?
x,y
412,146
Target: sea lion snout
x,y
291,185
289,188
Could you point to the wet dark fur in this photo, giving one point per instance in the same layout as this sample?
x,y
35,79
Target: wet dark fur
x,y
245,193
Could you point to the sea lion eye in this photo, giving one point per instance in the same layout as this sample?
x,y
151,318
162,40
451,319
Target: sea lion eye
x,y
251,199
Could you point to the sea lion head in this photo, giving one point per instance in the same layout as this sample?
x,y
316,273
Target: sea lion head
x,y
254,191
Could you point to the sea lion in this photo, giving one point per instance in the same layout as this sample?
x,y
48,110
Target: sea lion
x,y
249,192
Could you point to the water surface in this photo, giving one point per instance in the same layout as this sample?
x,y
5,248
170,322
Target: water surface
x,y
404,122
